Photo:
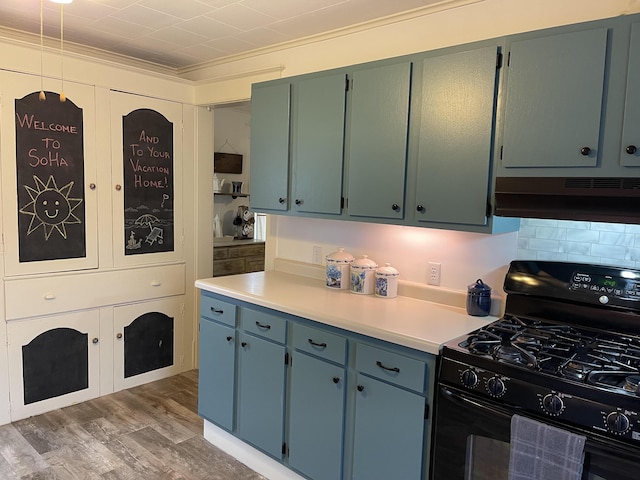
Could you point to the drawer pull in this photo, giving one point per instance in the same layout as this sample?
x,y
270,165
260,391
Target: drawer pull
x,y
156,283
316,344
216,311
263,326
390,369
50,296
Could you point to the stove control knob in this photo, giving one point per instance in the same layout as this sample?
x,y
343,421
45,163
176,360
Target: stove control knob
x,y
552,404
495,386
618,422
469,378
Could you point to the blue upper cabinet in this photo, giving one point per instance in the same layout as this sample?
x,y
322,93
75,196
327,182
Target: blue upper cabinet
x,y
269,174
630,147
554,99
377,141
456,98
318,131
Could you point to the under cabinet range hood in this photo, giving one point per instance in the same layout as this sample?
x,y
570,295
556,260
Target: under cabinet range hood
x,y
610,199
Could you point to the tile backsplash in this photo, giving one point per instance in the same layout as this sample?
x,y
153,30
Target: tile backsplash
x,y
584,242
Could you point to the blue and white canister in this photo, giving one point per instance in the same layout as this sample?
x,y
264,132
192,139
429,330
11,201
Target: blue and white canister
x,y
338,269
363,272
387,281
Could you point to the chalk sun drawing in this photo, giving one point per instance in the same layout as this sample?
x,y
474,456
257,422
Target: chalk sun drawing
x,y
50,207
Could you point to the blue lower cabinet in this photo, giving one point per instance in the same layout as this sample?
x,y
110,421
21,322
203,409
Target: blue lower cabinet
x,y
261,393
316,417
389,431
217,373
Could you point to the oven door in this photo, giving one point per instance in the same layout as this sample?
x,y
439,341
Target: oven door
x,y
471,442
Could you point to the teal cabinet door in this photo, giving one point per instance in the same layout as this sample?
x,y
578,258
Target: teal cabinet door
x,y
217,373
318,129
261,390
630,154
316,417
389,430
269,174
378,141
554,97
457,112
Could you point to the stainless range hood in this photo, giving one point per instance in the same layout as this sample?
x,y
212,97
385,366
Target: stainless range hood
x,y
610,199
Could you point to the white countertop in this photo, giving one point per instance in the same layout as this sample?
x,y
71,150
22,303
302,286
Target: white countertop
x,y
406,321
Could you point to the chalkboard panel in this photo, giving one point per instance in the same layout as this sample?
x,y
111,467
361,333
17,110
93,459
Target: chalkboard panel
x,y
147,138
148,344
50,178
54,363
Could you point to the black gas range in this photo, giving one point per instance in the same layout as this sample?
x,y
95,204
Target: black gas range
x,y
566,353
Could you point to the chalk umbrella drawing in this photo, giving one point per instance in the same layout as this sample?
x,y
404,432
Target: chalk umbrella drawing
x,y
51,207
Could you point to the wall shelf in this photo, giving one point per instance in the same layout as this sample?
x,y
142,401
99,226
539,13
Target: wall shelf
x,y
229,194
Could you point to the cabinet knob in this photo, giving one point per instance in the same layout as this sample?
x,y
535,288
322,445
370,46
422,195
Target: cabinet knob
x,y
119,336
631,149
118,187
229,338
420,208
585,151
395,207
336,380
360,388
244,344
92,186
298,201
94,341
282,200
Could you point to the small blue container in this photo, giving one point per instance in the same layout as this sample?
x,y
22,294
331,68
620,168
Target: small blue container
x,y
478,299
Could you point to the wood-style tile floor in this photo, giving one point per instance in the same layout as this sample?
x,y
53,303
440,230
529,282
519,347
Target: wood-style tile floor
x,y
150,432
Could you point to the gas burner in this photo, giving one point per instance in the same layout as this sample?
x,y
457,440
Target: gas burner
x,y
527,341
574,371
511,353
632,384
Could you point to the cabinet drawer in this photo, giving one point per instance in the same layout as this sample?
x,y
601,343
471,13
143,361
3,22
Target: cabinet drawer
x,y
318,342
220,253
228,267
392,367
246,251
30,297
264,324
255,264
218,310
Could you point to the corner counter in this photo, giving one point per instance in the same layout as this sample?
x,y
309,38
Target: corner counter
x,y
409,322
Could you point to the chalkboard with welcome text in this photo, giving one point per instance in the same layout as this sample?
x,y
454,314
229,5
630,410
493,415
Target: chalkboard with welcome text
x,y
50,178
147,138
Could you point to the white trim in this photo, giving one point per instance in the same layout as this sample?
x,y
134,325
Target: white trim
x,y
246,454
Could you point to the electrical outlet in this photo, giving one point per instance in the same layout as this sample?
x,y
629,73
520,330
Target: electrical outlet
x,y
434,273
316,256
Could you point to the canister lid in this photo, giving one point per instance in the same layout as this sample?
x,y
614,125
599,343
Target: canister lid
x,y
340,256
364,263
387,271
479,287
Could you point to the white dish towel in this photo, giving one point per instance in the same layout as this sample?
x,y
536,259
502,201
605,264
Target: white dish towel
x,y
543,452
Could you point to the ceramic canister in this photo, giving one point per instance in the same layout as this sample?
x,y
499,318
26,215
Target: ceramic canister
x,y
338,269
387,281
363,272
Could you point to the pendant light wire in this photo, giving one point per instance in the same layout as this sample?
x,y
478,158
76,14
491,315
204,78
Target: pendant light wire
x,y
63,97
42,96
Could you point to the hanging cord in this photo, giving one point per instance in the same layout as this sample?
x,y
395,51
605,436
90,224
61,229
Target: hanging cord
x,y
63,97
226,142
42,97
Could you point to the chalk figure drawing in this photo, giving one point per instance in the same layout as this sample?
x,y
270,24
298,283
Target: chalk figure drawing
x,y
147,138
49,178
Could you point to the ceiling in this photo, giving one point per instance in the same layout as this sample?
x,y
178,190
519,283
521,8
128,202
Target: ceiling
x,y
176,35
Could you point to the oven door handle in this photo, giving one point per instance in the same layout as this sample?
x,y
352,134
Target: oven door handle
x,y
461,398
